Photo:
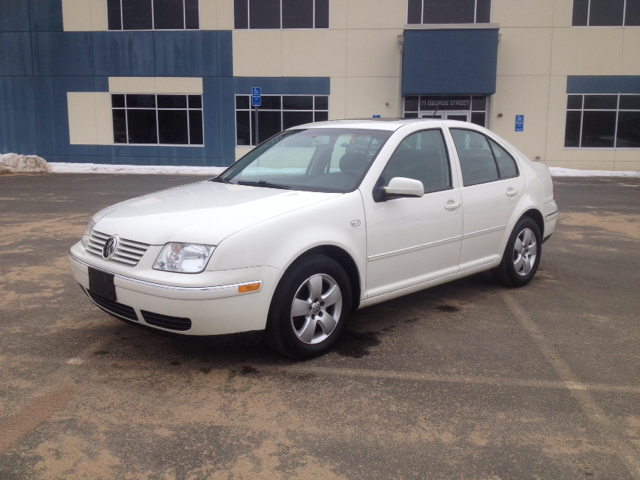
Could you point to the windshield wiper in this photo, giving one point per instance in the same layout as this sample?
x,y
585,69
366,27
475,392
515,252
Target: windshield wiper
x,y
218,179
264,183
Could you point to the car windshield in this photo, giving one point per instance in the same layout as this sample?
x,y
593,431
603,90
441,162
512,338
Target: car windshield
x,y
314,159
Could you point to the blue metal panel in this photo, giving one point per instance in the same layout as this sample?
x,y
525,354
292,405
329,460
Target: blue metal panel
x,y
62,54
195,162
603,84
52,115
101,84
214,139
14,16
630,84
269,85
182,152
15,54
303,85
450,61
182,53
18,117
227,114
125,151
225,53
46,15
126,54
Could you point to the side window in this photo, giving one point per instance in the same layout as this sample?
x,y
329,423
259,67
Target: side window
x,y
506,164
421,156
476,160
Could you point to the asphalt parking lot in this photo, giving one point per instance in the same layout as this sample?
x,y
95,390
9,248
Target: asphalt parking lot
x,y
465,380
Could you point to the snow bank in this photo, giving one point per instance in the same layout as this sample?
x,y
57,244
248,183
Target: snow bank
x,y
133,169
568,172
14,163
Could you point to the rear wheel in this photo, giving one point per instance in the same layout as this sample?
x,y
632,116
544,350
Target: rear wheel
x,y
309,309
521,256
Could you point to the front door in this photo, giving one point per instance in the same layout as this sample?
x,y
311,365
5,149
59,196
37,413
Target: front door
x,y
412,240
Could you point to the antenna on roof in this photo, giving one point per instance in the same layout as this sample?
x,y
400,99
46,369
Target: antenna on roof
x,y
438,105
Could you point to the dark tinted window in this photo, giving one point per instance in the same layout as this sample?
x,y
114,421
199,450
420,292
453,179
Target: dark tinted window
x,y
606,12
452,11
297,102
264,13
600,102
168,14
141,101
322,103
243,129
572,131
506,164
136,15
632,14
598,129
172,101
270,102
195,127
192,16
574,102
322,14
172,126
479,103
269,124
297,13
414,11
321,116
628,130
580,12
240,14
476,160
119,127
629,102
117,101
291,119
195,101
142,127
478,118
421,156
483,11
113,15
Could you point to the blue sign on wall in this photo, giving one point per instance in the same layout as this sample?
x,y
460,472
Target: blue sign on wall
x,y
256,98
519,123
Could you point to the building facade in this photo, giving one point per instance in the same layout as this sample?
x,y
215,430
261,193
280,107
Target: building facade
x,y
169,82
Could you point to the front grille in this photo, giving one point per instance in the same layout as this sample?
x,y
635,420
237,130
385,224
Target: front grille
x,y
127,251
114,308
165,321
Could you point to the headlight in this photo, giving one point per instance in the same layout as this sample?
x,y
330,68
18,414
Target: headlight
x,y
183,257
87,233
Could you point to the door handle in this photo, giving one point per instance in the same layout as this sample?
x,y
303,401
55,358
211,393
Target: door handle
x,y
451,205
511,192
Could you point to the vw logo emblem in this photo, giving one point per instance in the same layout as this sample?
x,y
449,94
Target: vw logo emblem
x,y
110,247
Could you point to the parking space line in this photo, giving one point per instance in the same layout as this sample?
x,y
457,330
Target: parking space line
x,y
36,413
595,414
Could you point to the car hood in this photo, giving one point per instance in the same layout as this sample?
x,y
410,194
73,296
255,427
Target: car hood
x,y
205,212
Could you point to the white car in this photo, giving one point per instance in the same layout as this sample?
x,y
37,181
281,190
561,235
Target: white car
x,y
316,222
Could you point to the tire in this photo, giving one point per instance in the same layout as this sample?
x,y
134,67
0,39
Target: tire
x,y
309,309
521,256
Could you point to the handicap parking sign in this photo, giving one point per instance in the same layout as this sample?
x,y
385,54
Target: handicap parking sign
x,y
256,91
519,123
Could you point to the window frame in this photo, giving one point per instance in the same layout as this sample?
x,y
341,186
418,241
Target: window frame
x,y
475,15
248,19
252,109
622,25
187,109
493,155
582,110
153,20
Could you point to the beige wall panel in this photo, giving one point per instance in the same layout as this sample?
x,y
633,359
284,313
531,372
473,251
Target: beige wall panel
x,y
76,15
527,13
99,20
377,13
104,118
627,158
522,96
338,14
257,53
556,154
82,118
627,166
631,52
132,85
590,165
587,51
366,96
338,99
563,13
314,53
242,151
209,14
178,85
225,14
524,51
373,53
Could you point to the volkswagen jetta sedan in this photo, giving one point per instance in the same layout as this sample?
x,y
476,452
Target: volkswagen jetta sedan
x,y
316,222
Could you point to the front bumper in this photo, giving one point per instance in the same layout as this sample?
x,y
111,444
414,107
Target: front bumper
x,y
215,309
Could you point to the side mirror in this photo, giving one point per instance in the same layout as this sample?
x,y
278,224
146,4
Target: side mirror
x,y
404,187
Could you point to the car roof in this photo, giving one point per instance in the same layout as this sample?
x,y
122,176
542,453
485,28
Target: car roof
x,y
380,124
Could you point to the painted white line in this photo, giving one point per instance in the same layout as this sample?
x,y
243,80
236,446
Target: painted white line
x,y
626,453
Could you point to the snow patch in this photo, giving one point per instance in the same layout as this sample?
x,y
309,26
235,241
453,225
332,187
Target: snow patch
x,y
14,163
568,172
133,169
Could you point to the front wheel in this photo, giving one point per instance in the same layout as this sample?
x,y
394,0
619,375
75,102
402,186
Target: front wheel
x,y
309,309
521,256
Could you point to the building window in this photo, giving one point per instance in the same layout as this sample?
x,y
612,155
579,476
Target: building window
x,y
153,14
606,13
603,121
277,113
468,108
143,119
452,11
280,14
